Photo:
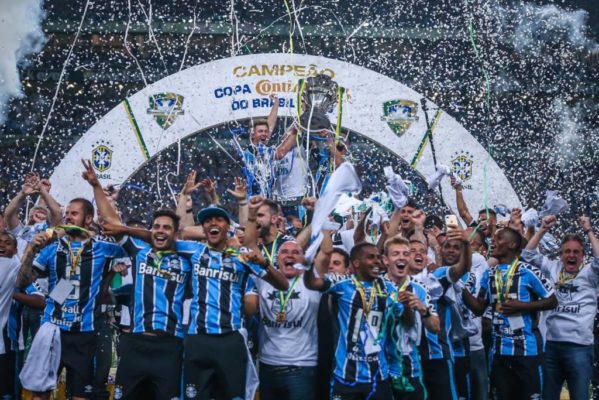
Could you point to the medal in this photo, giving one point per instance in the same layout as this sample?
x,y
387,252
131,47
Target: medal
x,y
283,300
281,316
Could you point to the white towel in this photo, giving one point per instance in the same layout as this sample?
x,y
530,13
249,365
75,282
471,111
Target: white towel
x,y
435,179
343,180
251,375
396,187
40,372
530,218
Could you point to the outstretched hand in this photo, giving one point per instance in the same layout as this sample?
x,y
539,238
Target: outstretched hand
x,y
239,190
190,184
89,174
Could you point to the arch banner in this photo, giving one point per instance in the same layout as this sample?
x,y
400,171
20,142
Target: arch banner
x,y
217,92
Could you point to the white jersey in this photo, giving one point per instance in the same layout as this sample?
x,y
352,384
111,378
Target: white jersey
x,y
572,320
9,268
291,176
293,342
479,266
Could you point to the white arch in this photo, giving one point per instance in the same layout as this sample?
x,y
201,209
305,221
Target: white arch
x,y
219,91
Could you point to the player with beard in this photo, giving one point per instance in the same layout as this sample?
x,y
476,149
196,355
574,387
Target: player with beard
x,y
517,292
288,352
569,339
261,229
402,346
151,354
364,300
75,265
215,351
435,348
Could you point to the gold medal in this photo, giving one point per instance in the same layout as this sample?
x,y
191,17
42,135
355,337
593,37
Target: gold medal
x,y
281,316
498,307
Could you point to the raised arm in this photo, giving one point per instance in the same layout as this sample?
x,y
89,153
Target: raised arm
x,y
288,143
547,223
585,224
105,209
461,203
463,266
51,203
477,305
11,212
273,276
274,111
251,230
184,203
312,282
239,192
118,230
323,258
210,187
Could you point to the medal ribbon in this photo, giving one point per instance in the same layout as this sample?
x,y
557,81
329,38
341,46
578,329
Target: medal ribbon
x,y
160,256
272,254
367,305
284,300
75,256
503,288
565,277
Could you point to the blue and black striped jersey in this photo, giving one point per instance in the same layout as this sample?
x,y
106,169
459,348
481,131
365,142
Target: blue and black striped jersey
x,y
359,352
402,342
528,285
218,283
436,346
83,264
158,291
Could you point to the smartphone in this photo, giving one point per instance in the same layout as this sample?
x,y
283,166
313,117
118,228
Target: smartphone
x,y
451,220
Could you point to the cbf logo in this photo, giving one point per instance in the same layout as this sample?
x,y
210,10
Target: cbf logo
x,y
399,115
461,165
166,107
102,157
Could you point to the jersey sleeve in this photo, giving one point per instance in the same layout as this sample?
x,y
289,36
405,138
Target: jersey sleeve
x,y
485,287
111,250
44,258
539,285
187,248
331,282
132,246
39,287
538,260
251,288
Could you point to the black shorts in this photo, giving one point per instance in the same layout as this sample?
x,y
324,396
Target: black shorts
x,y
149,362
439,379
418,392
381,390
215,366
516,377
462,377
77,351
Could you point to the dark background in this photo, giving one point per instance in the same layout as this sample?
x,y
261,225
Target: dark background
x,y
539,124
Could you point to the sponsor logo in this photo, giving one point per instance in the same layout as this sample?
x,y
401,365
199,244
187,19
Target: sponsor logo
x,y
266,87
102,155
217,273
165,108
399,115
276,302
462,163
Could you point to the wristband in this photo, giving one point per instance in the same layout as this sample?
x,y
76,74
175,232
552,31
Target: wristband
x,y
428,313
189,211
251,219
588,230
242,203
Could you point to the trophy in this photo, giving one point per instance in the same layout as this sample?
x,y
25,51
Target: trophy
x,y
319,96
